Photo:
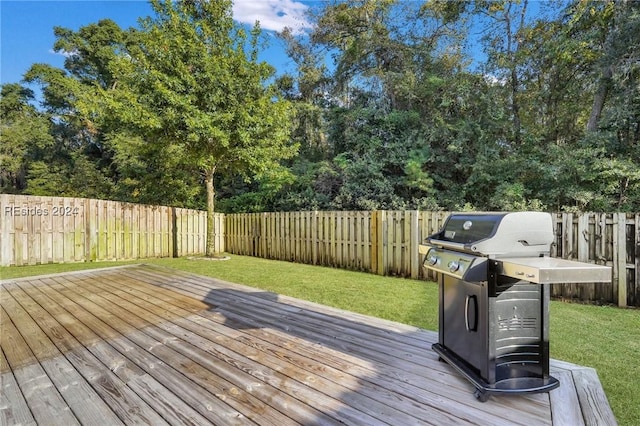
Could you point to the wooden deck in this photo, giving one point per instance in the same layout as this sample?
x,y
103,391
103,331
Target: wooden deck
x,y
145,344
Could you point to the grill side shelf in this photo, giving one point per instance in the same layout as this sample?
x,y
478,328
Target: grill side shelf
x,y
550,270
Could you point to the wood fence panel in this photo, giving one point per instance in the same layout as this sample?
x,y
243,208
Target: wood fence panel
x,y
338,239
324,245
378,224
267,235
190,231
395,243
386,243
39,230
362,221
36,230
428,224
593,238
620,257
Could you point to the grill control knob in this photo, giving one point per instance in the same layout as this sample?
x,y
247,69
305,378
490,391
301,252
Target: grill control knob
x,y
432,260
453,266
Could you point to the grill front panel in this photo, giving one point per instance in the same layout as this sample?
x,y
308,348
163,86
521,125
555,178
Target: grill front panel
x,y
517,331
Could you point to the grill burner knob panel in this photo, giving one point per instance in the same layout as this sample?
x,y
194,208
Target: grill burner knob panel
x,y
450,262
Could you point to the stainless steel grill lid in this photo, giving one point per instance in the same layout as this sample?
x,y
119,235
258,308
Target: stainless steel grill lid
x,y
514,234
518,242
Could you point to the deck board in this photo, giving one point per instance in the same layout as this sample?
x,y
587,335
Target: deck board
x,y
14,409
145,344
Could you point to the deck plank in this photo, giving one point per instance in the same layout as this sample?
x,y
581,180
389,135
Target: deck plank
x,y
565,406
13,407
42,396
179,373
229,367
198,398
123,406
85,403
108,355
149,341
165,402
229,384
593,401
384,357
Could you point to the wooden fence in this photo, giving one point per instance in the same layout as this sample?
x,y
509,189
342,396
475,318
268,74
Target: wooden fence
x,y
386,243
35,230
611,239
382,242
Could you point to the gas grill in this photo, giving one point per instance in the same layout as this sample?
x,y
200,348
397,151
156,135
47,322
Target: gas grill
x,y
494,272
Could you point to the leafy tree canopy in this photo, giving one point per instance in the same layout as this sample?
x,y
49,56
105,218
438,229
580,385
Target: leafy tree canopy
x,y
191,87
386,108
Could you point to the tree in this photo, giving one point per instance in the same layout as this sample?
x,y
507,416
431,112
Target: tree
x,y
611,29
24,131
79,152
191,86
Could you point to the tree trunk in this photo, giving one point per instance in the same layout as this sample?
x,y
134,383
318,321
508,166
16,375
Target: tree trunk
x,y
606,79
513,45
598,101
211,250
515,106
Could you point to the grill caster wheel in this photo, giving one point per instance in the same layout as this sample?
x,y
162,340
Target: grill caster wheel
x,y
481,396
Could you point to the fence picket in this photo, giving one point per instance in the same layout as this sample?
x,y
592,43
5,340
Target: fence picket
x,y
620,257
635,281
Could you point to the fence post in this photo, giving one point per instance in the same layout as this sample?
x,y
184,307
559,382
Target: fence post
x,y
6,246
636,254
620,256
87,230
314,236
415,241
173,232
378,246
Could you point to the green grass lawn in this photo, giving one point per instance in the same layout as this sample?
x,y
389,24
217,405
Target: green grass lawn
x,y
602,337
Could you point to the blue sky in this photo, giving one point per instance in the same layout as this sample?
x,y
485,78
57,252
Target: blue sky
x,y
26,27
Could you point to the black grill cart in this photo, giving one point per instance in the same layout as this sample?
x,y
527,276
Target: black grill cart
x,y
494,276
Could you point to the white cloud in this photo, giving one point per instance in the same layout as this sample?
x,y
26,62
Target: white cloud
x,y
64,53
272,14
496,81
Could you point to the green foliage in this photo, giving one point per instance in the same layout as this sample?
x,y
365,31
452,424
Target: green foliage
x,y
252,196
516,142
399,120
195,97
24,133
77,177
198,89
381,160
78,162
153,173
